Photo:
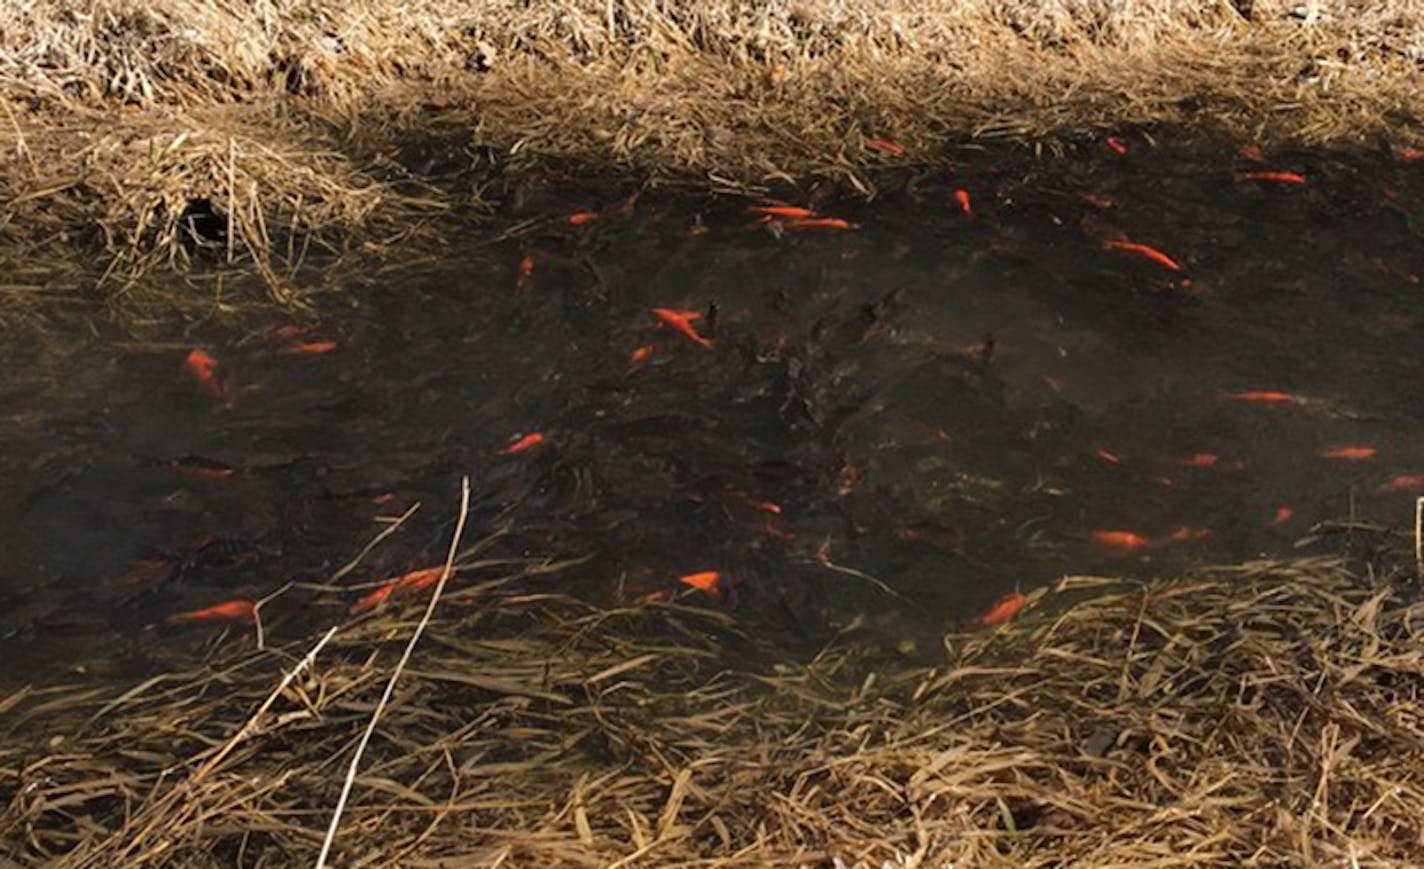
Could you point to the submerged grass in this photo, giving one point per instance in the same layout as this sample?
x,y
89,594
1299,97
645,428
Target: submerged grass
x,y
1262,715
342,124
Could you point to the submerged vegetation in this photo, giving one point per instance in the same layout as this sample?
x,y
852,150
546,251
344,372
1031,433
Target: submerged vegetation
x,y
138,132
1259,715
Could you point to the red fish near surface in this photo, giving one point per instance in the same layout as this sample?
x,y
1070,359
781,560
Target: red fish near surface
x,y
309,348
787,211
680,323
1145,251
820,223
709,581
232,611
1264,397
1350,454
885,146
1125,540
1004,609
1276,177
409,582
1403,483
579,218
526,273
204,369
962,197
533,439
1283,515
1116,145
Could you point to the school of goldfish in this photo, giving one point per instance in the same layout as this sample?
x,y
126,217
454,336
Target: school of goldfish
x,y
673,330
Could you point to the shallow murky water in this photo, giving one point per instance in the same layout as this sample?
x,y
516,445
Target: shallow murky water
x,y
955,404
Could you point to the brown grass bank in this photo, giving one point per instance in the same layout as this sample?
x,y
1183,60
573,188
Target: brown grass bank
x,y
1265,715
360,123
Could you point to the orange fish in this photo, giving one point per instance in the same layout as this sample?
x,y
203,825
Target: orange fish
x,y
1097,200
374,598
709,581
1004,609
1125,540
885,146
1283,515
848,479
533,439
1054,383
287,333
1184,534
232,611
820,223
1253,153
198,468
1116,145
409,582
1349,454
1403,483
1411,154
1200,460
1146,251
579,218
768,507
204,369
962,197
311,348
642,354
1277,177
1107,457
1264,397
526,272
787,211
680,323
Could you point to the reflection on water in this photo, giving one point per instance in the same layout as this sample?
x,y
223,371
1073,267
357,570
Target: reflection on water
x,y
983,379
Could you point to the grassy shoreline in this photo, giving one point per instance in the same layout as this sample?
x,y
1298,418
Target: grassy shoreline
x,y
316,125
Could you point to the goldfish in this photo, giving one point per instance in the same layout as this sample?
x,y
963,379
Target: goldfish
x,y
1185,533
820,223
1097,200
1200,460
232,611
1108,457
1116,145
1411,154
709,581
533,439
1403,483
1264,397
768,507
311,348
204,369
526,272
848,479
287,333
373,599
1277,177
1283,515
199,468
1253,153
1125,540
1145,251
1004,609
680,323
1054,383
579,218
885,146
787,211
962,197
641,354
1349,454
409,582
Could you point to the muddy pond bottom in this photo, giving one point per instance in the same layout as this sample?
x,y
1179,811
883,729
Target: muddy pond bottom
x,y
814,413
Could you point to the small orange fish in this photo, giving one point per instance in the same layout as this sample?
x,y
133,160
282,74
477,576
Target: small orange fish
x,y
1350,454
1054,383
1200,460
533,439
1403,483
653,597
1116,145
1145,251
526,272
1253,153
310,348
1277,177
642,354
1184,533
1125,540
848,479
1004,609
709,581
768,507
204,369
287,333
1283,515
820,223
1097,200
885,146
786,211
962,197
409,582
1264,397
232,611
1411,154
1108,457
680,324
579,218
374,598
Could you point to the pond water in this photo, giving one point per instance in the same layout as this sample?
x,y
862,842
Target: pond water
x,y
1100,362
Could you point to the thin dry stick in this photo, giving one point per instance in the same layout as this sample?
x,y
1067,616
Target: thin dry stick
x,y
400,665
1419,537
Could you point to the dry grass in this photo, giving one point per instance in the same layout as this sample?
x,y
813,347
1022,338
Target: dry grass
x,y
351,122
1266,715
